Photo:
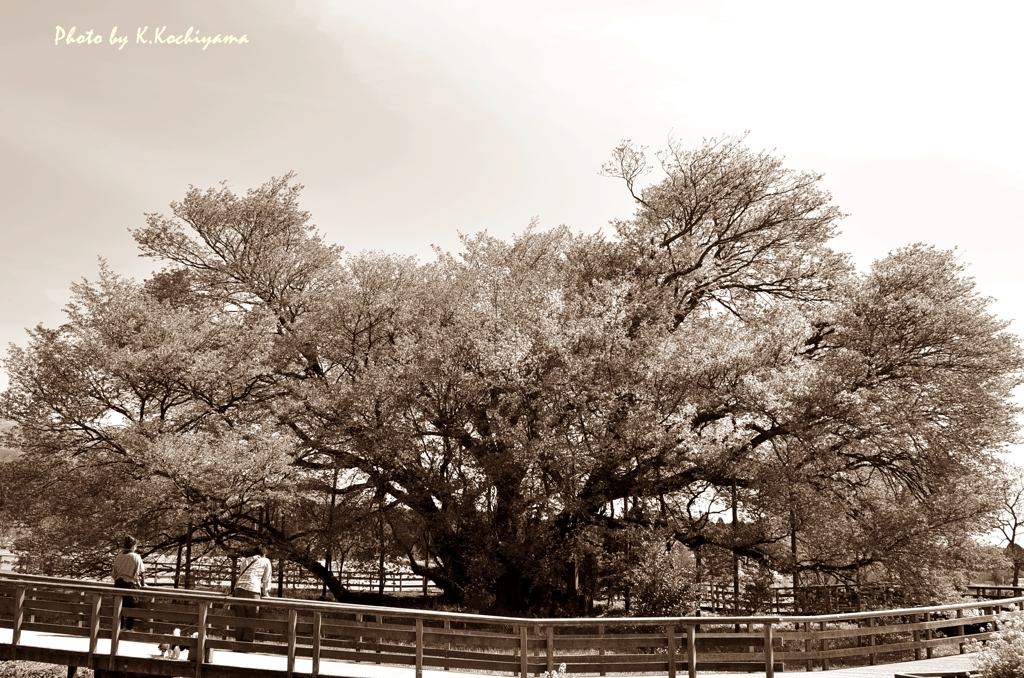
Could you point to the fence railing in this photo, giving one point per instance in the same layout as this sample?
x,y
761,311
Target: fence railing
x,y
717,598
318,631
219,573
720,598
993,592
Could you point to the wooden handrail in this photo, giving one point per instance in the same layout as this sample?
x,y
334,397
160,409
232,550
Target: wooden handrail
x,y
192,594
320,630
311,605
851,616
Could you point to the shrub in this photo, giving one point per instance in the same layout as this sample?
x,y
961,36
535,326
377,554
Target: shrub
x,y
663,585
1003,655
36,670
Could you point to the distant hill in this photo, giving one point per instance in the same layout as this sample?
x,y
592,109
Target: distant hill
x,y
7,453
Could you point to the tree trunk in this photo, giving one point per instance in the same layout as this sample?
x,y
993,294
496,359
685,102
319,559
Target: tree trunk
x,y
280,570
438,577
177,569
330,525
188,558
796,558
735,557
327,566
333,583
508,592
380,562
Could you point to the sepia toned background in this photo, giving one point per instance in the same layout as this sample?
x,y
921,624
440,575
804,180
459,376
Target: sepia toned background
x,y
409,122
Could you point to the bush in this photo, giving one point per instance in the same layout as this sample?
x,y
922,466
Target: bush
x,y
1003,655
37,670
663,586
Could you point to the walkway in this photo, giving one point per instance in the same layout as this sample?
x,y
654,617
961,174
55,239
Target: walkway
x,y
952,664
57,621
258,661
251,661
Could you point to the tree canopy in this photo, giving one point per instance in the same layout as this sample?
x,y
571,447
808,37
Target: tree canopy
x,y
524,421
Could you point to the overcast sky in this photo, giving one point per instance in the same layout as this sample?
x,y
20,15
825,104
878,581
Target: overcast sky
x,y
409,122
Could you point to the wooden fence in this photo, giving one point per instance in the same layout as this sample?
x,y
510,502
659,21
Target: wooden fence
x,y
421,639
993,592
719,598
219,573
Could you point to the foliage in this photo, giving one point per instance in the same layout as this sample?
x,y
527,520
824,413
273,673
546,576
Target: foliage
x,y
524,421
1011,518
19,669
662,582
1003,655
560,673
758,591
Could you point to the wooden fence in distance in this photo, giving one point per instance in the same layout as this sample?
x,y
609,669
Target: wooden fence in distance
x,y
994,592
719,598
218,573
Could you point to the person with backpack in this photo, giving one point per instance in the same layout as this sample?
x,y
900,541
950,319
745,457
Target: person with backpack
x,y
128,572
253,582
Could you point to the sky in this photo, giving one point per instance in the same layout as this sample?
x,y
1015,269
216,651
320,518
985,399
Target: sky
x,y
412,121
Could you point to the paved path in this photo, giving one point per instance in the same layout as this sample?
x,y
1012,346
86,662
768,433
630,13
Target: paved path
x,y
255,660
248,660
953,663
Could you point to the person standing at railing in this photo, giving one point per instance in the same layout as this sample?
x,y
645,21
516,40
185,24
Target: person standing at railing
x,y
253,582
128,572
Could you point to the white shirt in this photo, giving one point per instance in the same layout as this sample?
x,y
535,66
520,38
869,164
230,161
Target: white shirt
x,y
128,566
254,574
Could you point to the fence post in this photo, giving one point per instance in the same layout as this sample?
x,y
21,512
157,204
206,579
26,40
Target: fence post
x,y
551,647
19,620
769,651
359,642
917,637
317,624
928,635
873,656
670,631
376,640
290,638
149,620
960,629
824,648
524,649
808,647
448,644
419,648
201,638
115,630
600,648
94,626
691,651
